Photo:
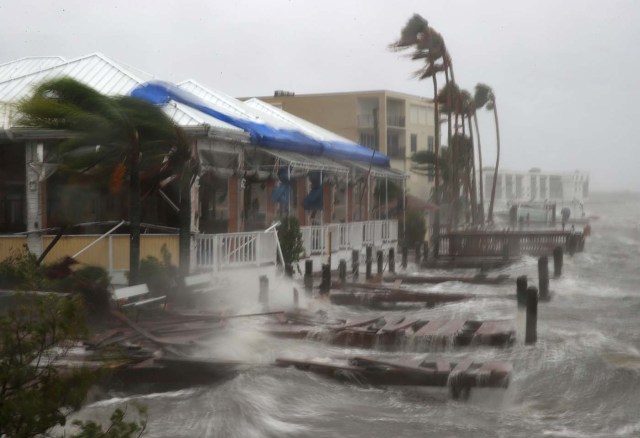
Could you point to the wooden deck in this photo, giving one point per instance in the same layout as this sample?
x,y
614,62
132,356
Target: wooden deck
x,y
459,375
399,332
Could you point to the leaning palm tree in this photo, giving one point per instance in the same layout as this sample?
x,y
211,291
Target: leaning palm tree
x,y
485,98
427,45
112,138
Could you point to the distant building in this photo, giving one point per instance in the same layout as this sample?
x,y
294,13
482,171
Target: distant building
x,y
396,124
535,187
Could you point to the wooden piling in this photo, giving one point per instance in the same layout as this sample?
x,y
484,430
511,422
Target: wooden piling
x,y
543,277
521,290
263,296
342,270
308,276
531,335
368,261
418,251
392,260
355,262
296,298
571,244
380,261
558,256
325,285
405,256
425,252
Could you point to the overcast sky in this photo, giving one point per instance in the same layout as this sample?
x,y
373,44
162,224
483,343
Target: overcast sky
x,y
566,74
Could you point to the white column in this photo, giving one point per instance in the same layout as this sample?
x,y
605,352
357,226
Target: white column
x,y
34,157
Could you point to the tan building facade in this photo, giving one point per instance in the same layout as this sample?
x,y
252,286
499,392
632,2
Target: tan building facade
x,y
396,124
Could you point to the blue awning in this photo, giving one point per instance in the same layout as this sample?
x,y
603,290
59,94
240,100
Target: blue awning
x,y
262,134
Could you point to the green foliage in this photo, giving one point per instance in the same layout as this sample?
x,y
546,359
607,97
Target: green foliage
x,y
34,395
92,283
415,228
119,428
290,238
114,136
20,271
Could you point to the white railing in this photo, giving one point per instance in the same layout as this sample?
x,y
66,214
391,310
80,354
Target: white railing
x,y
223,251
315,238
346,236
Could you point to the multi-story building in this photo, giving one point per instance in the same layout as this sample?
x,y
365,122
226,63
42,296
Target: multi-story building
x,y
537,188
396,124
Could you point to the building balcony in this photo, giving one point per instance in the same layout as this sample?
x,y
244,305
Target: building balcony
x,y
395,120
394,151
365,120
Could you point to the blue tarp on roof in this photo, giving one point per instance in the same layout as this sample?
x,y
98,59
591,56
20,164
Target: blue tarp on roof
x,y
262,134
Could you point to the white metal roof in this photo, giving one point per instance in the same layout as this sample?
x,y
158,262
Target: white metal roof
x,y
95,70
229,105
24,66
98,72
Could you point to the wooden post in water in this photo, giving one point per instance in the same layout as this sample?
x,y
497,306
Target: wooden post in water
x,y
531,335
325,285
295,298
543,277
425,252
368,261
392,260
405,255
418,250
380,260
571,244
342,270
263,296
355,262
558,256
521,290
308,276
329,248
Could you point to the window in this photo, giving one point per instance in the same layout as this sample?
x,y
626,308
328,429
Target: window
x,y
414,143
418,115
430,144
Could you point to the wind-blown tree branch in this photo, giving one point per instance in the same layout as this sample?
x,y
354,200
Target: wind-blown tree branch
x,y
485,98
110,138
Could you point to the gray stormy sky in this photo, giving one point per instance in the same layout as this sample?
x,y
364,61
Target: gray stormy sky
x,y
566,73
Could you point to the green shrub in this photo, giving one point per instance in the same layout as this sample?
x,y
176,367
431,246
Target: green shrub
x,y
290,238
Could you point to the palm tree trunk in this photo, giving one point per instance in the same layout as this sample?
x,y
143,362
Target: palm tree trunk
x,y
436,121
451,161
134,211
474,186
480,176
495,172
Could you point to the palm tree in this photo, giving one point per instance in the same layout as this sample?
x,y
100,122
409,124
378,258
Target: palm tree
x,y
428,45
110,138
485,98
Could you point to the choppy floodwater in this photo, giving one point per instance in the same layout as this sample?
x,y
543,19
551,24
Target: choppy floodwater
x,y
581,379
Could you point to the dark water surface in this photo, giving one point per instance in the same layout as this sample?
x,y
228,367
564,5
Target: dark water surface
x,y
582,378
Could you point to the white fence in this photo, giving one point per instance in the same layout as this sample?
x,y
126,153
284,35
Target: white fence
x,y
346,236
222,251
